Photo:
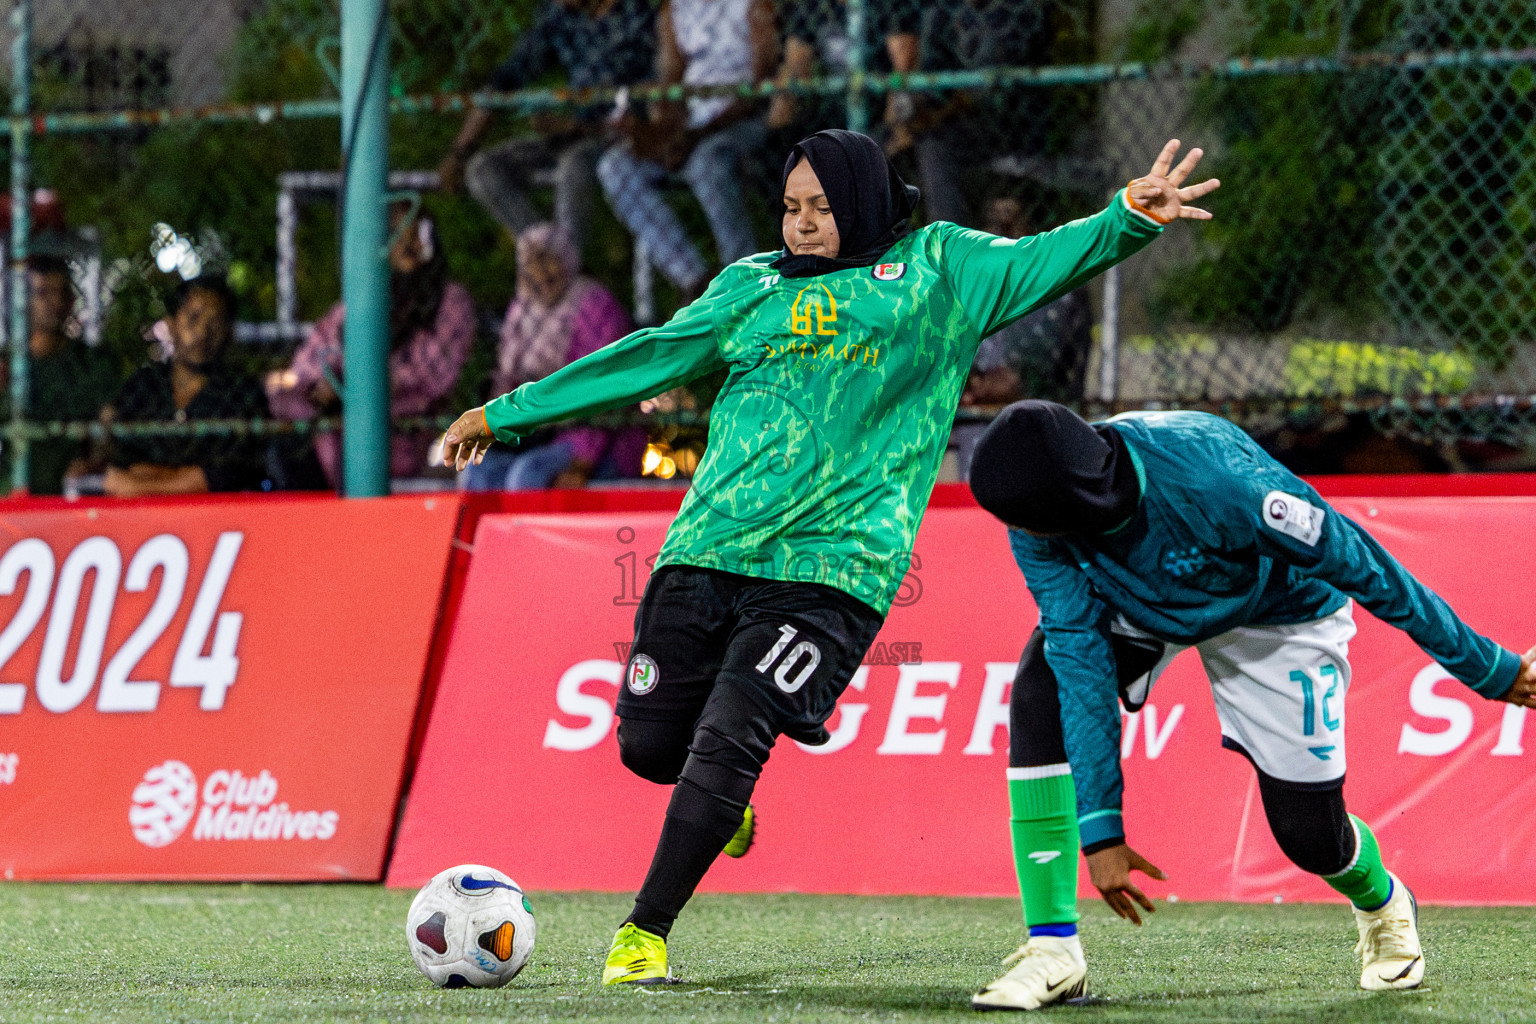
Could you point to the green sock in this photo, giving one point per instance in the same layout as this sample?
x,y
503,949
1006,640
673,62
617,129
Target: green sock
x,y
1365,881
1045,842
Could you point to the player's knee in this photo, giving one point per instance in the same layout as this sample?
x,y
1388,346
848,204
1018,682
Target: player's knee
x,y
1310,826
655,751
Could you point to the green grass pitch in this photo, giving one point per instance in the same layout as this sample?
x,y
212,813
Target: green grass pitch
x,y
182,953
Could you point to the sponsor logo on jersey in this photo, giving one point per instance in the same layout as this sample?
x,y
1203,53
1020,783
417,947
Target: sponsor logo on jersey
x,y
1293,516
1044,856
643,675
234,807
1181,562
809,316
889,271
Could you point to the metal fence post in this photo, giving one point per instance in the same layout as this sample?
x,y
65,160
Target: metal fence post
x,y
858,59
21,233
364,262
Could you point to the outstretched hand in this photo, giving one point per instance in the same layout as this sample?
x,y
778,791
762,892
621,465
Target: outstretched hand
x,y
467,440
1160,193
1110,871
1523,692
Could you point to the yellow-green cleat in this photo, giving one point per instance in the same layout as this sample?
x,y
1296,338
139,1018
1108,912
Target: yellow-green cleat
x,y
741,842
637,958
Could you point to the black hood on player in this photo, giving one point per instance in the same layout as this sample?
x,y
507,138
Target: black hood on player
x,y
1041,467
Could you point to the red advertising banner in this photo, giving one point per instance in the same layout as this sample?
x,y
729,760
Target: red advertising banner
x,y
212,690
909,797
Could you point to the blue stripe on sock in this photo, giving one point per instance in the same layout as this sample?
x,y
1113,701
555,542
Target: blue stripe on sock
x,y
1391,888
1061,931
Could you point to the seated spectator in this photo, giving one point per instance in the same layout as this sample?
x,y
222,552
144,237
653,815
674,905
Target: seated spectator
x,y
598,43
194,384
702,42
816,38
559,315
431,327
951,133
69,381
1043,355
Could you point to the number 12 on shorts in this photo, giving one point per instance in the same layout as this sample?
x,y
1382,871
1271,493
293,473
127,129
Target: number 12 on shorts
x,y
792,661
1309,701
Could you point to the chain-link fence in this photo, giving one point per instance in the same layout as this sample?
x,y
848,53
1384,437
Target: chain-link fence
x,y
1365,298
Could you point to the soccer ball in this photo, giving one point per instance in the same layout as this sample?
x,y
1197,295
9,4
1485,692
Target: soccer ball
x,y
471,926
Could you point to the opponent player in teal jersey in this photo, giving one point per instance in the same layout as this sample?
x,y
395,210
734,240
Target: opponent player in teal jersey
x,y
1151,533
846,356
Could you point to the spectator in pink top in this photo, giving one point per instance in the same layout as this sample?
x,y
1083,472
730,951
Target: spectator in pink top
x,y
558,316
431,328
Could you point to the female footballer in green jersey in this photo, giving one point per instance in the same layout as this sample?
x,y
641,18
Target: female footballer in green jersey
x,y
845,355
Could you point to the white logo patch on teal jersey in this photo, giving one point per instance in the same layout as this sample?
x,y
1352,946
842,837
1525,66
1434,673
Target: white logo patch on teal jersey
x,y
889,271
1293,516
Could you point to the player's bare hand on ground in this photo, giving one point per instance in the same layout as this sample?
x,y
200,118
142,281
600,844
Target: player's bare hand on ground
x,y
1162,192
1523,692
1110,871
467,440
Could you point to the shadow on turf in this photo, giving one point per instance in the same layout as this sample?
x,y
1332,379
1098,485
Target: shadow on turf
x,y
1184,1006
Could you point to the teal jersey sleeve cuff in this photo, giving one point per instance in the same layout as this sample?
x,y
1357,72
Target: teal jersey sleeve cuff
x,y
1099,826
1501,677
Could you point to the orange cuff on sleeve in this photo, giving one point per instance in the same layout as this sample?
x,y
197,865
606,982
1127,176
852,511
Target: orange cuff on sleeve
x,y
1133,204
486,422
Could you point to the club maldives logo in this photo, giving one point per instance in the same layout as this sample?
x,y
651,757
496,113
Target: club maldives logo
x,y
163,803
889,271
235,806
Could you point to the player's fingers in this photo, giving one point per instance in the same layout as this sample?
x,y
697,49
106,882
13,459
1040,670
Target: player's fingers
x,y
1165,158
1140,897
1179,173
1203,188
1130,910
1194,213
1146,867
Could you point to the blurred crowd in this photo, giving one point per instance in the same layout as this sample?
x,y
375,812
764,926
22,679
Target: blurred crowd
x,y
543,187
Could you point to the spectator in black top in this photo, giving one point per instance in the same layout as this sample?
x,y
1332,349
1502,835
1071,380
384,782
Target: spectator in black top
x,y
599,43
1044,355
194,385
816,38
951,133
69,381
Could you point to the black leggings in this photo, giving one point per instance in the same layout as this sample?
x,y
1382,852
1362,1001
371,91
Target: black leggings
x,y
1310,825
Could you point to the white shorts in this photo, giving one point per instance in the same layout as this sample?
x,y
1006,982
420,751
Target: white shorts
x,y
1279,693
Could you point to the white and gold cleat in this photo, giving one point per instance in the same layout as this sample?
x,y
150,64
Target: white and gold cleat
x,y
1046,969
1389,950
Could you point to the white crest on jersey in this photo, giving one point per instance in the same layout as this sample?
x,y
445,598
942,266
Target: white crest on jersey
x,y
1292,516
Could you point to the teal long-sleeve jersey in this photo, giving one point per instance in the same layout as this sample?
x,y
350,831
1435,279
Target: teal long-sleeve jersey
x,y
1224,536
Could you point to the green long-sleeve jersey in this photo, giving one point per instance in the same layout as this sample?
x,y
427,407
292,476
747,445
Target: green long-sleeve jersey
x,y
841,389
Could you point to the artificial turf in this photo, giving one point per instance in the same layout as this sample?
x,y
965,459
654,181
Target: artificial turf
x,y
180,953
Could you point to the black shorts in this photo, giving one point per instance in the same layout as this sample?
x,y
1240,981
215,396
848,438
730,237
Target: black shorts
x,y
791,646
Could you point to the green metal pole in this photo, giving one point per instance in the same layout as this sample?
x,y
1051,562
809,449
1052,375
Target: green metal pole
x,y
21,232
364,234
858,52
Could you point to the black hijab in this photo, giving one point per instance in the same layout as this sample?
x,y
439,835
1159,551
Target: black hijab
x,y
1040,466
870,203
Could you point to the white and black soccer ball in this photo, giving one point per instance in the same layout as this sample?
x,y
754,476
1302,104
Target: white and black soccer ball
x,y
471,926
